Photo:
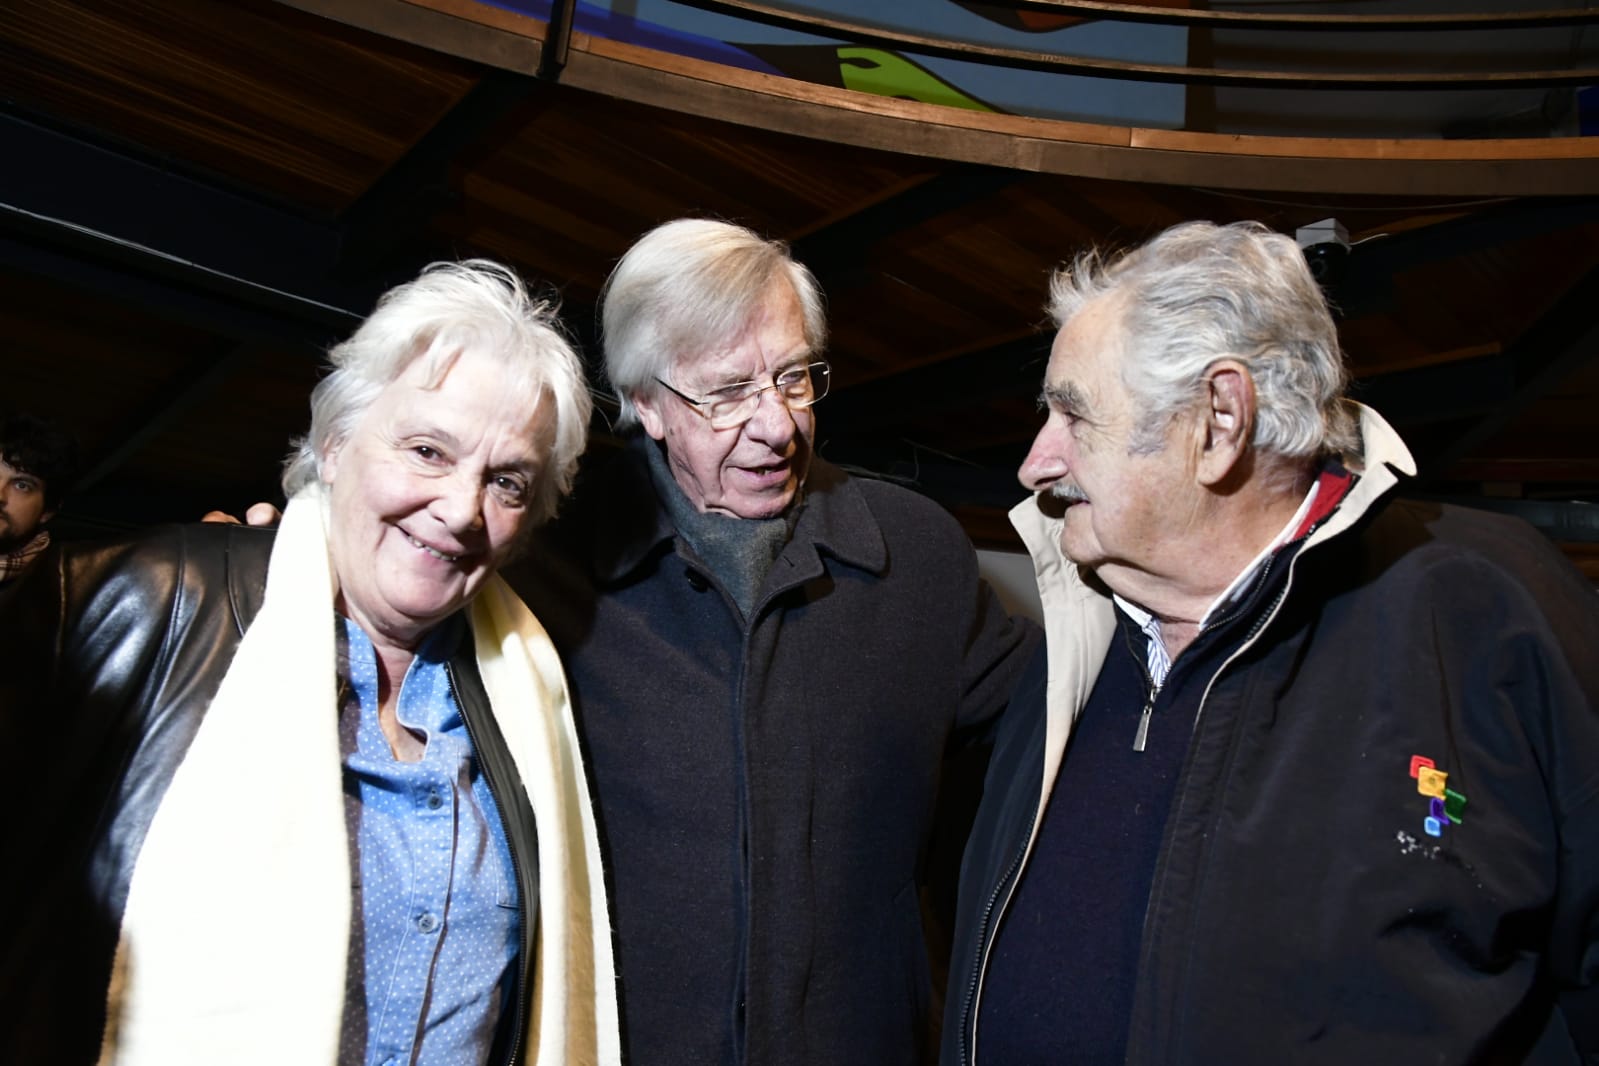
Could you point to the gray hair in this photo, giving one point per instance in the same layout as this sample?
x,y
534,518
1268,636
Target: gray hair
x,y
1200,292
450,307
689,287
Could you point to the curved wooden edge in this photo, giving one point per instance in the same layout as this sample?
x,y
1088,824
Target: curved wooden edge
x,y
465,28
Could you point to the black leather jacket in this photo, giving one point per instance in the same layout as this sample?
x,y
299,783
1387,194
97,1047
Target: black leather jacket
x,y
109,656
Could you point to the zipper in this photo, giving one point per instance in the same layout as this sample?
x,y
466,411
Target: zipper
x,y
1007,886
1141,737
1162,869
525,959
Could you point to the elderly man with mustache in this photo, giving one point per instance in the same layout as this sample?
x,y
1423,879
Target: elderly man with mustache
x,y
1309,774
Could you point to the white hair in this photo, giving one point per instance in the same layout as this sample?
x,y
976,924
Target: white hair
x,y
690,287
449,308
1200,292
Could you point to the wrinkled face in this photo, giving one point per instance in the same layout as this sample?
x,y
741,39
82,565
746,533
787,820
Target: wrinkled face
x,y
750,471
21,507
1124,511
430,494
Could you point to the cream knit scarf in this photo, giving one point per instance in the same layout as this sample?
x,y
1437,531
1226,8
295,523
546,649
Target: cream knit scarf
x,y
234,940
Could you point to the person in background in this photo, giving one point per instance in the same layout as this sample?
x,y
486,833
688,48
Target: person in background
x,y
769,661
38,460
1308,774
315,796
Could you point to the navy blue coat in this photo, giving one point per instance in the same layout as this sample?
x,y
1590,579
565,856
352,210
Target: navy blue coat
x,y
766,786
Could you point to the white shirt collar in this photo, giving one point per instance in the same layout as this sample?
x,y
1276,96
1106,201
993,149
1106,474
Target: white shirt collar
x,y
1159,662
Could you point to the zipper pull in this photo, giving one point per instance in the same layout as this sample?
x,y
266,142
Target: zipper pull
x,y
1142,735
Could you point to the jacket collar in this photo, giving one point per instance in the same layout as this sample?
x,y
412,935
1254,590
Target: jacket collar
x,y
1383,462
835,520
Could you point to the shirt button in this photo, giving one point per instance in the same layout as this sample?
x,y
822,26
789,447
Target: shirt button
x,y
435,801
427,923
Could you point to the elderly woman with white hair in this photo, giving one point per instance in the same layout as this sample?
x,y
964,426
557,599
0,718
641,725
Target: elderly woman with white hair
x,y
314,796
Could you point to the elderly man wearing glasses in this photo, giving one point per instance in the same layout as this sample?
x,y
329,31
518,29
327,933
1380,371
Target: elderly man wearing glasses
x,y
769,661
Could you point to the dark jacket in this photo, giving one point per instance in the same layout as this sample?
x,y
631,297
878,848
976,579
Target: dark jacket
x,y
109,656
1301,910
766,786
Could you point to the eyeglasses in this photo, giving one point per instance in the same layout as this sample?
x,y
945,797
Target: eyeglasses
x,y
733,405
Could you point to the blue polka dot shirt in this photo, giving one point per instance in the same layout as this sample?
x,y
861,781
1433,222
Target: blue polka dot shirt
x,y
435,927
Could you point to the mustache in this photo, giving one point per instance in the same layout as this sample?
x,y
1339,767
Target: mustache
x,y
1068,492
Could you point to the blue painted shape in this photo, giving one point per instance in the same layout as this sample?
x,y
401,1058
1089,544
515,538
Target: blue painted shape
x,y
600,22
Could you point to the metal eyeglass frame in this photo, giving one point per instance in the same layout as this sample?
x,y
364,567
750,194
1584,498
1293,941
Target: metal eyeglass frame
x,y
818,375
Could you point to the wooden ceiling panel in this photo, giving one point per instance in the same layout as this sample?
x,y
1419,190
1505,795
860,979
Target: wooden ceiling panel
x,y
278,101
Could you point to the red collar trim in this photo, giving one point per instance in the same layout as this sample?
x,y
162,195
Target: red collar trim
x,y
1332,486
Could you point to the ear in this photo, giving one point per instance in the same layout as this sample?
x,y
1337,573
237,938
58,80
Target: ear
x,y
330,461
45,517
649,413
1228,418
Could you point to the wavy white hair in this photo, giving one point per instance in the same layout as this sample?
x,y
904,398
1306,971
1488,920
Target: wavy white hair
x,y
1199,292
448,308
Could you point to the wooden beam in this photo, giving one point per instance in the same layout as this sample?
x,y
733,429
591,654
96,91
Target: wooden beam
x,y
1383,166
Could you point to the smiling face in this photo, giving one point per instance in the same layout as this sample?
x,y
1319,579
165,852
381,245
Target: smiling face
x,y
21,506
754,470
1127,510
429,494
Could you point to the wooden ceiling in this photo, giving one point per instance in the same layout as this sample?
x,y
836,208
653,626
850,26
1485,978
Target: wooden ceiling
x,y
199,197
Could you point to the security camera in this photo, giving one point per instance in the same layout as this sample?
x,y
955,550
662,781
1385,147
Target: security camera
x,y
1325,245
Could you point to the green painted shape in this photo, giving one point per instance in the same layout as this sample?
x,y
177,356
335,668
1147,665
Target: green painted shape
x,y
1454,805
871,70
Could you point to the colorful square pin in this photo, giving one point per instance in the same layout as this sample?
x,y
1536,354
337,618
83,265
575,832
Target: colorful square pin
x,y
1430,782
1418,761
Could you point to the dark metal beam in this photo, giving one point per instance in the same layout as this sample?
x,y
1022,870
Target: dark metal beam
x,y
65,180
137,228
140,277
557,40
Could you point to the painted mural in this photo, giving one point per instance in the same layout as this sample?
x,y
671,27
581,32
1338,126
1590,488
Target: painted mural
x,y
723,38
